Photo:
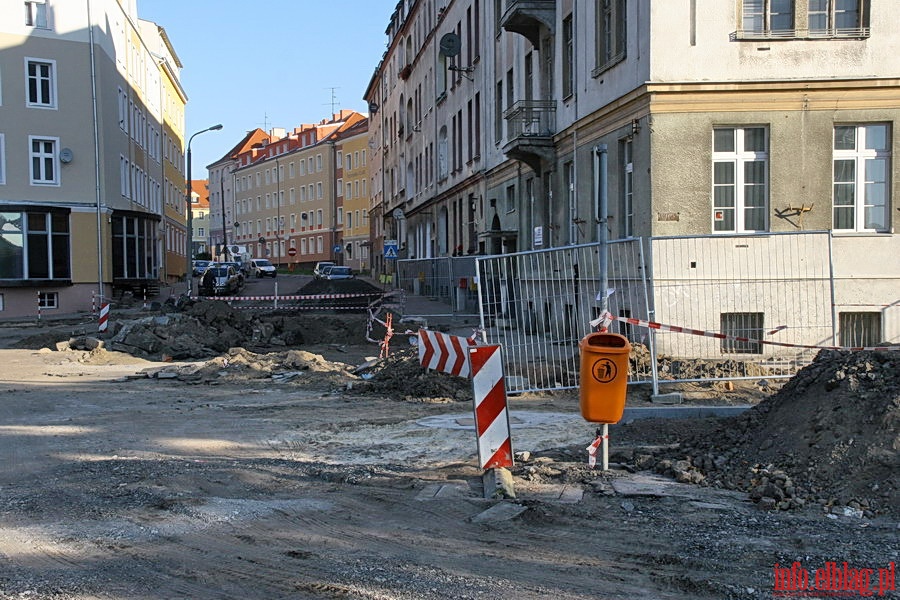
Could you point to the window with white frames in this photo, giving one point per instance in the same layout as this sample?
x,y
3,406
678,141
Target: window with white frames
x,y
36,14
319,220
123,110
319,190
41,77
340,215
318,162
786,18
340,186
627,188
349,220
320,246
44,166
862,167
770,17
740,179
291,170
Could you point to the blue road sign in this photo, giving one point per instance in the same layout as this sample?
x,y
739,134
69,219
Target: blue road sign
x,y
390,249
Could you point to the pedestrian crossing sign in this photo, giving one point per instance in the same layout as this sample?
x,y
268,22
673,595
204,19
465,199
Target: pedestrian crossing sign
x,y
390,249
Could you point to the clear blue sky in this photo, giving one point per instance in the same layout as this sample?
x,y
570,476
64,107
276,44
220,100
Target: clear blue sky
x,y
268,63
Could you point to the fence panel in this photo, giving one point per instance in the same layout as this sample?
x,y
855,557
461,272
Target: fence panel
x,y
448,279
538,305
774,287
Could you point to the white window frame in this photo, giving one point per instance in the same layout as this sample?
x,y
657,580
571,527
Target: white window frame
x,y
43,103
764,13
628,188
48,300
861,184
36,14
43,156
739,158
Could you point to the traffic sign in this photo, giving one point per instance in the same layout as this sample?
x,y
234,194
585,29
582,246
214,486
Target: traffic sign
x,y
292,252
390,249
336,248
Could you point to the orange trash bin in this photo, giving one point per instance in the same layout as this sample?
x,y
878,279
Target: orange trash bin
x,y
604,376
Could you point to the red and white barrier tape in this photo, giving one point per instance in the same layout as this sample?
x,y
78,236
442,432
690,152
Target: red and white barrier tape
x,y
606,318
279,298
279,307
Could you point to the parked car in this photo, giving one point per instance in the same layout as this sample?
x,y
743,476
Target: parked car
x,y
261,267
320,267
238,268
335,272
220,280
199,266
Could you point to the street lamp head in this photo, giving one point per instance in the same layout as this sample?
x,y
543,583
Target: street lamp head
x,y
216,127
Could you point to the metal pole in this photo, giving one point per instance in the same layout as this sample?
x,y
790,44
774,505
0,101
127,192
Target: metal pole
x,y
224,230
600,192
600,158
189,190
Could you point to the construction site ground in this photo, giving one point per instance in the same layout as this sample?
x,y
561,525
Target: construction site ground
x,y
292,465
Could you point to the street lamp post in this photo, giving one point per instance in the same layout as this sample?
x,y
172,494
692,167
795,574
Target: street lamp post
x,y
190,212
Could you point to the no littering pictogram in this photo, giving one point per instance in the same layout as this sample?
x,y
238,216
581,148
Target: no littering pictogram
x,y
604,370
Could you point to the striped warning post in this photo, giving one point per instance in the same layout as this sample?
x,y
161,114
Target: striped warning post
x,y
491,414
442,352
103,324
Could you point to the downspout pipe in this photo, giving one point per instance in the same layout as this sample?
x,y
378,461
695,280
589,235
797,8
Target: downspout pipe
x,y
95,117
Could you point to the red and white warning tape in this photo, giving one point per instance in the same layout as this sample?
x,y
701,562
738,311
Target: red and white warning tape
x,y
270,307
279,298
606,318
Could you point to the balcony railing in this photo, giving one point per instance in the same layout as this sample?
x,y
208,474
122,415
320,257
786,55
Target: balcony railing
x,y
530,119
799,34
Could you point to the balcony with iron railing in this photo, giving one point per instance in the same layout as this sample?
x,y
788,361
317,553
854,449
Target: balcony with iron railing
x,y
529,17
530,126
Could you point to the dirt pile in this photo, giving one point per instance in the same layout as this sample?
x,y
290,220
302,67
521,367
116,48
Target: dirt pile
x,y
400,375
830,436
242,366
209,327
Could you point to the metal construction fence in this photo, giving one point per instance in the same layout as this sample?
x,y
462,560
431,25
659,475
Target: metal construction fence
x,y
450,280
750,288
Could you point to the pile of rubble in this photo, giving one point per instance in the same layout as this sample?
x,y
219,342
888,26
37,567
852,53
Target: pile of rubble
x,y
401,375
830,436
208,328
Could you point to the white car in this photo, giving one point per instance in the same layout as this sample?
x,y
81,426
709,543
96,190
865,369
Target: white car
x,y
261,267
321,267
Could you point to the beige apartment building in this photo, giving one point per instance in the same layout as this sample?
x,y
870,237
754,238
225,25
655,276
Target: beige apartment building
x,y
503,123
286,204
78,219
352,188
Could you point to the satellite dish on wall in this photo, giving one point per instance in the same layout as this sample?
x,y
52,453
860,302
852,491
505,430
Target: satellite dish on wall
x,y
450,45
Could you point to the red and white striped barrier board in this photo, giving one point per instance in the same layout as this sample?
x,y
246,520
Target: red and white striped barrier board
x,y
608,317
442,352
103,323
491,414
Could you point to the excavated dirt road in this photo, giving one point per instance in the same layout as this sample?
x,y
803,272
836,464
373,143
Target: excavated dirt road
x,y
258,476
